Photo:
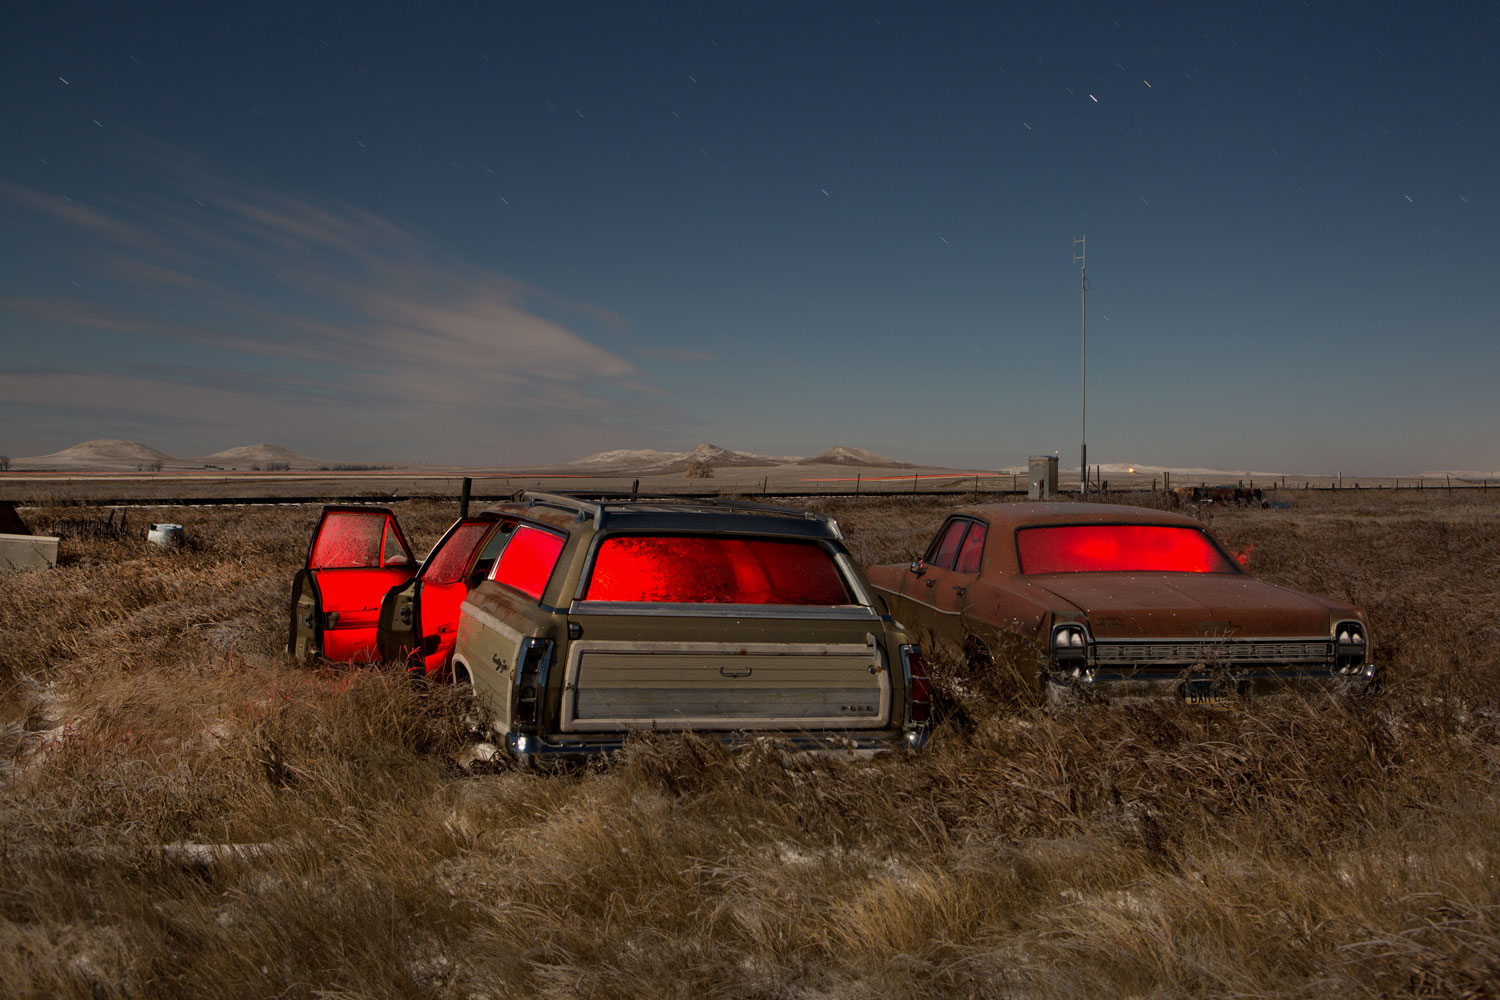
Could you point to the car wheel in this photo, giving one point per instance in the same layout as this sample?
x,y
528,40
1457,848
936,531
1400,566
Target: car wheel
x,y
474,720
976,653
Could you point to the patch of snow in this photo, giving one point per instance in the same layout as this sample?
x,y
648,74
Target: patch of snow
x,y
1465,474
647,461
845,455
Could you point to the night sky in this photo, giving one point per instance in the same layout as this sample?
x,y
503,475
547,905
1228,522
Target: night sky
x,y
507,233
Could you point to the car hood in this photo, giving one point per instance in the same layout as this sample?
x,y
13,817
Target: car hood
x,y
1147,605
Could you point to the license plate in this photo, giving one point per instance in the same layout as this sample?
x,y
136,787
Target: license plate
x,y
1204,691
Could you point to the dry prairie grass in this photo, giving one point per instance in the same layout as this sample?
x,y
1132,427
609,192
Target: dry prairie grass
x,y
1287,849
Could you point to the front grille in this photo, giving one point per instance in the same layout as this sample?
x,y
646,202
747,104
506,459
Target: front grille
x,y
1194,651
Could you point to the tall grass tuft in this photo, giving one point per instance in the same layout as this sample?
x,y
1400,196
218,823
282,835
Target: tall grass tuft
x,y
185,814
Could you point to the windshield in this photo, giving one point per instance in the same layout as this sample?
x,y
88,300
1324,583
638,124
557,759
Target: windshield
x,y
1119,548
704,569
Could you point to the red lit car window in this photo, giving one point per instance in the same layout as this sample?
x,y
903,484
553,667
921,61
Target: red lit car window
x,y
350,540
945,548
527,561
971,551
449,563
1117,548
713,569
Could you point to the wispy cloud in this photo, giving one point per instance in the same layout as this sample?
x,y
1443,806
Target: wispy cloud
x,y
339,304
81,217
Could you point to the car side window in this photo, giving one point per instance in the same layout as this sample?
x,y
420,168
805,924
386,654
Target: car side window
x,y
349,539
527,561
971,552
490,552
944,548
448,565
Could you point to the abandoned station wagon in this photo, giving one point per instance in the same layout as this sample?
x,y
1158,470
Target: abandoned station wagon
x,y
579,622
1120,601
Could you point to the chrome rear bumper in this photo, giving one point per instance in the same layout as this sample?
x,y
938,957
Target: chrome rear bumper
x,y
910,738
1205,686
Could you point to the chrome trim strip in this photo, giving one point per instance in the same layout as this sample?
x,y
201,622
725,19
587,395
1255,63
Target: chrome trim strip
x,y
1111,651
930,607
664,610
835,741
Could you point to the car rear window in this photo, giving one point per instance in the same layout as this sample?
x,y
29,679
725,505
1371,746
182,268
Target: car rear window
x,y
715,569
528,559
1119,548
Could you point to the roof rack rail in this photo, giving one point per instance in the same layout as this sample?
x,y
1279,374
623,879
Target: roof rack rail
x,y
596,511
740,506
771,508
582,508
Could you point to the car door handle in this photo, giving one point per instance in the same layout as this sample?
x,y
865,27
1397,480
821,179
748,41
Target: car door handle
x,y
959,590
928,583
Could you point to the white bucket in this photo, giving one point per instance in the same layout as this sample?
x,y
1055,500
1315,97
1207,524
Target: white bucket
x,y
168,536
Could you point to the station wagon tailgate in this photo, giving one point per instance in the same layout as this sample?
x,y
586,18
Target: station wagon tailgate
x,y
835,675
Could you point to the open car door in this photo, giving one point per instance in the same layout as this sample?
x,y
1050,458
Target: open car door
x,y
356,555
419,617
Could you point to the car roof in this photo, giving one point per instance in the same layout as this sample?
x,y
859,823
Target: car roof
x,y
656,514
1020,515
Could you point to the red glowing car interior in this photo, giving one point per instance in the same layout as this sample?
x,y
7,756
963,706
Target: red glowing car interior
x,y
945,549
450,562
444,589
1119,548
971,551
715,569
356,557
350,540
957,550
528,559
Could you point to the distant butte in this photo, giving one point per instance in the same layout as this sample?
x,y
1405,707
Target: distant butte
x,y
651,461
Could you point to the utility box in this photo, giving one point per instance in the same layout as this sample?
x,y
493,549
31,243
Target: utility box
x,y
18,552
1041,479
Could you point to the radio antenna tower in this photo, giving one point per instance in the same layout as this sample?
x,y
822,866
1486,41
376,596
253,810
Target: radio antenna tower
x,y
1080,250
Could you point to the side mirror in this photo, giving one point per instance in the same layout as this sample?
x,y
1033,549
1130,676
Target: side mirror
x,y
918,567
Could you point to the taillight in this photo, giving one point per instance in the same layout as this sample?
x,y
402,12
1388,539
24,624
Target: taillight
x,y
535,659
918,685
1070,645
1350,646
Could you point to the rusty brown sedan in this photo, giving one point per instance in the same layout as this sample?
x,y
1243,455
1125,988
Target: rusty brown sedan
x,y
1104,601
